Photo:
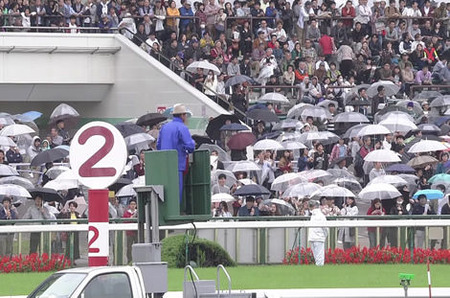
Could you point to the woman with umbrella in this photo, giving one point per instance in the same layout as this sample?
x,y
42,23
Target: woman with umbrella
x,y
377,209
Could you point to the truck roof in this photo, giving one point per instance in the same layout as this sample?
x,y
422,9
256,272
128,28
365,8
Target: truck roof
x,y
100,269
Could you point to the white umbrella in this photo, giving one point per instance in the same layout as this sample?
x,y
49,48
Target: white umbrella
x,y
397,115
282,182
389,179
427,146
139,181
382,155
61,184
390,88
314,174
267,144
138,138
373,129
63,111
203,64
333,191
301,190
350,117
16,130
7,142
55,171
243,166
6,170
315,112
17,180
273,97
289,136
398,124
219,197
126,191
246,181
296,111
288,123
292,145
230,178
14,190
381,191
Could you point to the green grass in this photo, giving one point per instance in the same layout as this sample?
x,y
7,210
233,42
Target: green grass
x,y
276,277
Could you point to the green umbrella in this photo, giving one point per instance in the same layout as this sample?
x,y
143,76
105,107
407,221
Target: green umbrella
x,y
440,178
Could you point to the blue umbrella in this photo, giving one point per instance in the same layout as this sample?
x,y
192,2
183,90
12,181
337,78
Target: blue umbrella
x,y
252,190
431,194
400,168
258,106
441,120
234,127
33,115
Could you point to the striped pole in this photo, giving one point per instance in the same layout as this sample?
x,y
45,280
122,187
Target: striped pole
x,y
429,277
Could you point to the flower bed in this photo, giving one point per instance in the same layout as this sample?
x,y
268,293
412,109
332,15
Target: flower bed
x,y
376,255
33,263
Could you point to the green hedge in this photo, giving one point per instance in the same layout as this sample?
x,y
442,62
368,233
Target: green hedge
x,y
202,252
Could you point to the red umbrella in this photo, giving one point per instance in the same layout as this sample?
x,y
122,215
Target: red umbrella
x,y
241,140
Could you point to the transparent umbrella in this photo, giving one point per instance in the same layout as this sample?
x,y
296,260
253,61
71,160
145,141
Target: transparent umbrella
x,y
243,166
389,179
301,190
382,191
282,182
382,156
230,178
267,144
14,190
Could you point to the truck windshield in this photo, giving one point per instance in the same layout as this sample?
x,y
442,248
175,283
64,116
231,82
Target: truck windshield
x,y
59,285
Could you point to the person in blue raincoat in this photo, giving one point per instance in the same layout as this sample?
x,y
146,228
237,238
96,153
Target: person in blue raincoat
x,y
176,136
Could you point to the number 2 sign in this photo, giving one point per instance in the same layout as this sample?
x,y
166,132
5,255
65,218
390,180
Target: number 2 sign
x,y
98,154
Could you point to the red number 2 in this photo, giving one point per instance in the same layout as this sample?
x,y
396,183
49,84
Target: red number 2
x,y
93,239
86,169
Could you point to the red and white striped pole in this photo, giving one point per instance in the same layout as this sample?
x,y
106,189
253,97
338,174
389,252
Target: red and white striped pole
x,y
429,277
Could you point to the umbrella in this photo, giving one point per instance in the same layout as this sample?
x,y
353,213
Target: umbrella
x,y
353,131
203,64
200,140
246,181
288,123
219,197
382,156
273,97
389,87
297,110
440,121
54,172
422,161
315,112
398,124
233,127
427,146
341,173
66,113
373,129
138,138
252,190
230,178
427,96
441,101
333,191
314,174
292,145
128,129
282,182
417,108
438,178
212,130
49,156
325,103
6,170
381,191
150,119
301,190
17,180
223,155
389,179
47,194
243,166
126,191
281,203
267,145
396,115
13,190
121,182
241,140
400,168
6,119
263,115
7,142
16,130
350,117
61,184
325,137
348,183
431,194
289,136
429,128
239,79
81,202
33,115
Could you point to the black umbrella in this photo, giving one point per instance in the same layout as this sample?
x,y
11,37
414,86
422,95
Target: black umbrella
x,y
263,115
233,127
212,130
49,156
121,182
252,190
400,168
128,129
199,140
47,194
150,119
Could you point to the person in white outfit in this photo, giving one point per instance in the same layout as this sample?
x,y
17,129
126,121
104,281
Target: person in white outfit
x,y
317,236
